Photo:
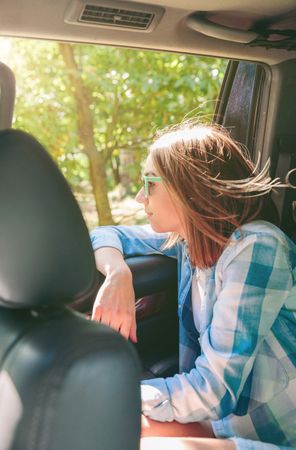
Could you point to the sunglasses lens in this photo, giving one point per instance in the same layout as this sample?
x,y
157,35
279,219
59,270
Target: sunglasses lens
x,y
145,186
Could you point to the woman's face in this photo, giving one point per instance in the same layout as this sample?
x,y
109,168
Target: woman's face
x,y
160,207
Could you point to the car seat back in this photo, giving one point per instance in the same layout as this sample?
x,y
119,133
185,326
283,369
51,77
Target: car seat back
x,y
65,382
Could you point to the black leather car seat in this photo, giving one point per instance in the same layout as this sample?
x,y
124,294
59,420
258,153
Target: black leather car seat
x,y
66,383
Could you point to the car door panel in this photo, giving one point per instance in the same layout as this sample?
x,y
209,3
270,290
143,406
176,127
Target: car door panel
x,y
155,285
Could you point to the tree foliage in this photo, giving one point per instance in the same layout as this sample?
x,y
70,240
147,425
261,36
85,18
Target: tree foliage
x,y
125,95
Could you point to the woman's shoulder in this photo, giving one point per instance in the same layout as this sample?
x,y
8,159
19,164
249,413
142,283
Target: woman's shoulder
x,y
260,234
260,229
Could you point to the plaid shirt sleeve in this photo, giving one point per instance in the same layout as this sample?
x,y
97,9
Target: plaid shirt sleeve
x,y
247,444
255,280
131,240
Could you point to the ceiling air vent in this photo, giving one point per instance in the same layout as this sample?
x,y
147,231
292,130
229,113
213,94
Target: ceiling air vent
x,y
116,17
128,15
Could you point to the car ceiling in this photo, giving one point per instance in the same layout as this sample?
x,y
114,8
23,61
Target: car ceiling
x,y
258,30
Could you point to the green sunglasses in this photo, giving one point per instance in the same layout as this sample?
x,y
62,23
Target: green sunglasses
x,y
148,179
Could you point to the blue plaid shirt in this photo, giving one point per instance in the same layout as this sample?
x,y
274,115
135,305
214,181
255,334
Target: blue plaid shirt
x,y
240,370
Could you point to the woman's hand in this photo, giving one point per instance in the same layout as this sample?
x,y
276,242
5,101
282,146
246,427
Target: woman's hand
x,y
115,303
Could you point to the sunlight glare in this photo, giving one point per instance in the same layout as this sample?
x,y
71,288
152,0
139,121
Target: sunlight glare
x,y
5,49
11,409
161,443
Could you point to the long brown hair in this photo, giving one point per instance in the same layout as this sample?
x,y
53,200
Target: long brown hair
x,y
215,184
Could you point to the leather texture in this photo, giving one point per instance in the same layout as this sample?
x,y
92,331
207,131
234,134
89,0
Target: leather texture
x,y
46,254
151,274
66,383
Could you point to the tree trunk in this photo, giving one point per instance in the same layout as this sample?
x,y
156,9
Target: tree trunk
x,y
115,170
99,182
127,162
85,128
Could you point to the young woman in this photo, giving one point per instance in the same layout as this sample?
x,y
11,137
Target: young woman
x,y
210,208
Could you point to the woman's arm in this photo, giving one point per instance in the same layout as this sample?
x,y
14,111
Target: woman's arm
x,y
256,282
115,301
131,240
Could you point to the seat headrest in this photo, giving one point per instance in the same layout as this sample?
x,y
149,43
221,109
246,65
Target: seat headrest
x,y
46,258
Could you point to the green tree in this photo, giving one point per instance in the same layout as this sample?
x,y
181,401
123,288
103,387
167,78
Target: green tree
x,y
95,107
82,96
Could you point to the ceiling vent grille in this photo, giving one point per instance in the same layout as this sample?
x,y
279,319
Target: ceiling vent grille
x,y
121,14
116,17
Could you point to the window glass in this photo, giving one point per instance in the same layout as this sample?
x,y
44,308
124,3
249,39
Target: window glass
x,y
97,108
241,102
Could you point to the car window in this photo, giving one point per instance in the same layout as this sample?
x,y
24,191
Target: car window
x,y
7,96
239,102
97,108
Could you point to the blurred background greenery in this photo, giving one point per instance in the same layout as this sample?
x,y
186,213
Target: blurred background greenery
x,y
97,108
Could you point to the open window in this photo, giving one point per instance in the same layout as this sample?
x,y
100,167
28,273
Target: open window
x,y
7,96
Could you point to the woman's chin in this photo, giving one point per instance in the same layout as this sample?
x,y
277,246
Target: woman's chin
x,y
157,228
153,226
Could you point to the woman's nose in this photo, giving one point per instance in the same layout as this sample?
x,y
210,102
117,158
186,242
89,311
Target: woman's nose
x,y
140,197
